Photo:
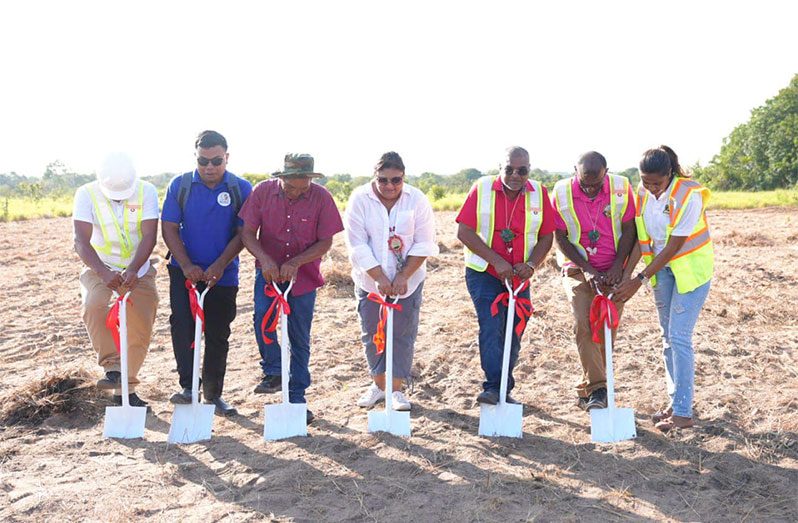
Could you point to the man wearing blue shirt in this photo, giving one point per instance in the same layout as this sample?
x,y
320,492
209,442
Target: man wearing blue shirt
x,y
202,230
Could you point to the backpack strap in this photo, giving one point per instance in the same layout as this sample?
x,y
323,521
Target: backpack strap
x,y
185,189
235,191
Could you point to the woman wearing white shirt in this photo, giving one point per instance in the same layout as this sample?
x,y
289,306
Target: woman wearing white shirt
x,y
677,250
390,232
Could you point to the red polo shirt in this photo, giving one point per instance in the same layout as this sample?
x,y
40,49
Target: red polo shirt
x,y
504,208
288,227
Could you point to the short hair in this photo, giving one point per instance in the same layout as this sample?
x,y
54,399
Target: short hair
x,y
208,139
390,160
516,152
592,163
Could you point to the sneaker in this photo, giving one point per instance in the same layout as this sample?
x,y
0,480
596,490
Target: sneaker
x,y
582,403
111,381
133,399
371,397
489,397
597,399
269,384
310,417
400,401
181,398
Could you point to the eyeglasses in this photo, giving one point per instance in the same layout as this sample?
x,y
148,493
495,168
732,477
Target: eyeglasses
x,y
396,180
217,161
522,171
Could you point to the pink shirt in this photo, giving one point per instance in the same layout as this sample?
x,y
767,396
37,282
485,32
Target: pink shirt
x,y
504,207
289,227
596,212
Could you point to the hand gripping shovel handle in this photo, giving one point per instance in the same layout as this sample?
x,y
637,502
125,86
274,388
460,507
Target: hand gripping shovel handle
x,y
389,357
284,343
197,344
123,348
508,337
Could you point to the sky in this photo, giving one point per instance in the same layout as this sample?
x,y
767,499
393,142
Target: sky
x,y
448,85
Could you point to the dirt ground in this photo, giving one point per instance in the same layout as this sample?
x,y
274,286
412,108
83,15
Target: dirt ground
x,y
740,463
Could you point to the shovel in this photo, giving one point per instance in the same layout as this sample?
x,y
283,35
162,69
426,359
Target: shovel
x,y
124,422
394,421
192,423
284,420
504,419
610,425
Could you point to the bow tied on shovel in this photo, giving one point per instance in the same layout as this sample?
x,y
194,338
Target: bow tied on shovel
x,y
196,310
112,320
523,307
379,336
272,317
602,310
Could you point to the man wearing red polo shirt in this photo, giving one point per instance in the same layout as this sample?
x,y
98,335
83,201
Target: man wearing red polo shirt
x,y
506,225
289,224
595,234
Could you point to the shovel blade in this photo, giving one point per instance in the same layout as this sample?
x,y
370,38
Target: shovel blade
x,y
285,420
124,422
504,419
191,423
610,426
395,422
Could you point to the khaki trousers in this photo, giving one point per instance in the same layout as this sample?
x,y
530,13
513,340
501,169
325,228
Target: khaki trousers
x,y
141,309
591,355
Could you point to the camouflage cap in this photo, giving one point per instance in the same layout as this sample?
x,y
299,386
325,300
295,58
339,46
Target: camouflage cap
x,y
298,166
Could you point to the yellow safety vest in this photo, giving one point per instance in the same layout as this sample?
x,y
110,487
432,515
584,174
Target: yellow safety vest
x,y
486,211
120,240
694,264
564,203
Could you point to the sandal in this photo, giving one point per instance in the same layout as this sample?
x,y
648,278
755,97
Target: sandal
x,y
662,414
674,422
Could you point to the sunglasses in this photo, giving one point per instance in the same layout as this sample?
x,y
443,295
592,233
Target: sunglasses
x,y
217,161
522,171
396,180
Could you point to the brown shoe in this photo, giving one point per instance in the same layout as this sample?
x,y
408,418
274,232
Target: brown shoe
x,y
674,422
662,414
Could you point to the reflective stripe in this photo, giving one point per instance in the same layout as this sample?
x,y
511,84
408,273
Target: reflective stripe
x,y
680,192
693,242
533,218
619,191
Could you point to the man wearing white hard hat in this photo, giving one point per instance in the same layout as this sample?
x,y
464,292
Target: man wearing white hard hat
x,y
116,224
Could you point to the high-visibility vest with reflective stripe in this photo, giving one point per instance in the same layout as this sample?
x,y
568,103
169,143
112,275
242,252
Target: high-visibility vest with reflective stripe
x,y
486,210
694,264
120,240
564,203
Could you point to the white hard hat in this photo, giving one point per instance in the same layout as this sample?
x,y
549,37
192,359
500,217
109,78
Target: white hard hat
x,y
117,176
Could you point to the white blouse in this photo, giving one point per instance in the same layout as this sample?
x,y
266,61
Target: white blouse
x,y
368,226
656,216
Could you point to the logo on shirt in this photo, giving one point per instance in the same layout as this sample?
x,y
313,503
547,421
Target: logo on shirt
x,y
133,207
666,210
223,199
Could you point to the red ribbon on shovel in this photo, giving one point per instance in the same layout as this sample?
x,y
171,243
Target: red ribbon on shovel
x,y
112,320
379,336
279,306
523,307
193,302
602,310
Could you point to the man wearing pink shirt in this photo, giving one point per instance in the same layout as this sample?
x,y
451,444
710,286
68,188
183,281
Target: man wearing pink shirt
x,y
595,234
289,224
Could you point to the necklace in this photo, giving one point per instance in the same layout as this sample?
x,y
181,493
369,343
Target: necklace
x,y
593,235
507,233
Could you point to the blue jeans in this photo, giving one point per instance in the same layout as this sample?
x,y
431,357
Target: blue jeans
x,y
299,322
678,314
483,289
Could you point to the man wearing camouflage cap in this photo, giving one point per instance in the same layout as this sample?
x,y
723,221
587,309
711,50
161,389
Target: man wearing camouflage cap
x,y
289,224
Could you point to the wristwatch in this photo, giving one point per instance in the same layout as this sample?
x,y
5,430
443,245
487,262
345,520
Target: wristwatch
x,y
642,277
531,266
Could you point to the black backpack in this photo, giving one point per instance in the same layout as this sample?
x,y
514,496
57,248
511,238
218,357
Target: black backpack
x,y
232,186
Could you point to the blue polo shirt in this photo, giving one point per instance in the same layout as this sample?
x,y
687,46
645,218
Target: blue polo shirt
x,y
206,223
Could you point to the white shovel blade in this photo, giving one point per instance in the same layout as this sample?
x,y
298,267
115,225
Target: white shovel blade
x,y
285,420
191,423
124,422
395,421
609,427
504,419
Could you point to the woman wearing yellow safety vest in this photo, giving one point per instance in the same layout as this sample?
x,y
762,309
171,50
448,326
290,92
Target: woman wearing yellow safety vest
x,y
677,250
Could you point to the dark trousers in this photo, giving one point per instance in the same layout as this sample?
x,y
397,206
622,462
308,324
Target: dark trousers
x,y
483,288
299,322
220,311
